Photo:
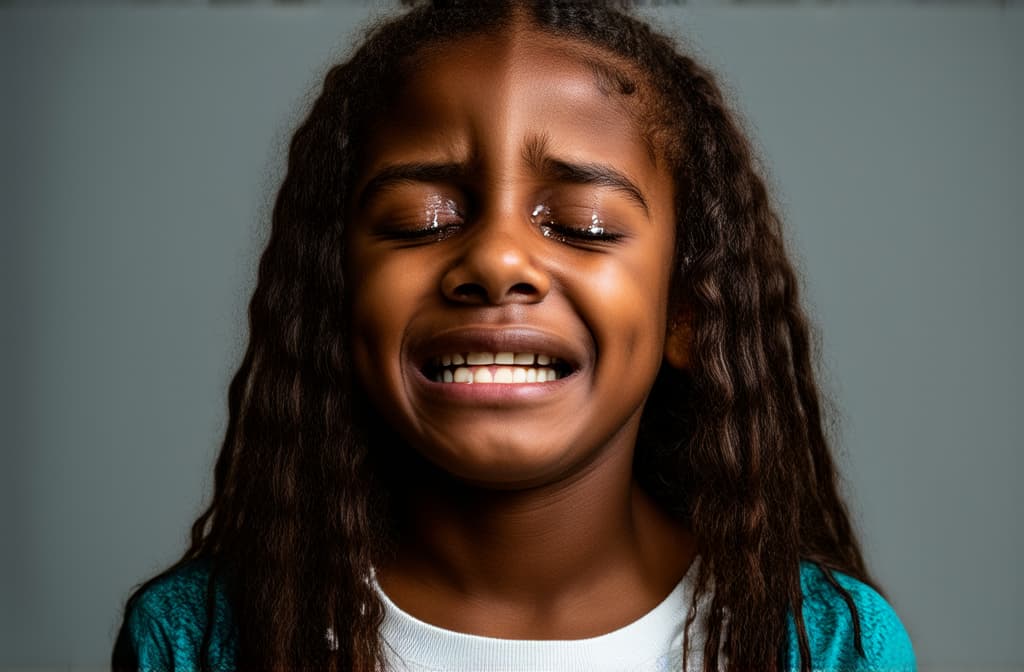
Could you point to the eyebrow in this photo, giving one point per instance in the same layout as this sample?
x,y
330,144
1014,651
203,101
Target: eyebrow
x,y
405,173
556,170
535,154
596,174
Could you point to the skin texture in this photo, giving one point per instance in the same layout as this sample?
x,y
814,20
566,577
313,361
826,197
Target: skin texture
x,y
468,233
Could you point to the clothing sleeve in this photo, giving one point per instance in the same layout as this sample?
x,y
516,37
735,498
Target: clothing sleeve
x,y
165,622
143,643
832,630
887,646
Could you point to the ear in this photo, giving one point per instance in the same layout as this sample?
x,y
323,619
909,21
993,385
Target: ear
x,y
679,340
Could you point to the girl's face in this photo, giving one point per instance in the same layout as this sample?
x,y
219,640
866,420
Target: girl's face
x,y
510,213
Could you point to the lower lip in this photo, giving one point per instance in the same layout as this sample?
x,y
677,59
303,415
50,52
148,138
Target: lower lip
x,y
498,393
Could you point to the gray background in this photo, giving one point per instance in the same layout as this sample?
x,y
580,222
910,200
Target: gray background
x,y
141,146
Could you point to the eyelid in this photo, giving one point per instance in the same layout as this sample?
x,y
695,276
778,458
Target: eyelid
x,y
431,235
431,221
596,232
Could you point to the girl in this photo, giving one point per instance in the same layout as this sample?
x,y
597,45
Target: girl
x,y
528,387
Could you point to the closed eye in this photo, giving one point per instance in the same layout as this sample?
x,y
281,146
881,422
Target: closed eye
x,y
433,233
438,219
590,232
572,233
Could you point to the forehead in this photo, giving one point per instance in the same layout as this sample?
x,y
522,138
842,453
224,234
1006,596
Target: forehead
x,y
487,94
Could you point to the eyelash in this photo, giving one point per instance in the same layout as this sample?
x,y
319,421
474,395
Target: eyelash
x,y
572,233
595,234
434,233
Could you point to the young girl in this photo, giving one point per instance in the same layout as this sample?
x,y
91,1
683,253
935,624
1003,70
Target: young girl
x,y
528,387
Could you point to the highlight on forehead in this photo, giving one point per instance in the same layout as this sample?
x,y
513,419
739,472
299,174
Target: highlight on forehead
x,y
620,80
619,84
616,78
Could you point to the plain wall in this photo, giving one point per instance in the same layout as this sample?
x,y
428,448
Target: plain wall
x,y
140,148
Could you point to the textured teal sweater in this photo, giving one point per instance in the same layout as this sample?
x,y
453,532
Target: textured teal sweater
x,y
163,630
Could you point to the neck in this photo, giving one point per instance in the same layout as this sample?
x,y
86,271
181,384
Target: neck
x,y
542,561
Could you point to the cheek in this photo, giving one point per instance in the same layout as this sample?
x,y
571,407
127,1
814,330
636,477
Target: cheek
x,y
632,295
383,296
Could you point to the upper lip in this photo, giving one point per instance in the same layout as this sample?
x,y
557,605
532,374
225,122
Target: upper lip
x,y
508,338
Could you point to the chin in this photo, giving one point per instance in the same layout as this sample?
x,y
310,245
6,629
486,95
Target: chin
x,y
502,467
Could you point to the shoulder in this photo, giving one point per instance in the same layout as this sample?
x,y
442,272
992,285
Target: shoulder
x,y
831,627
165,621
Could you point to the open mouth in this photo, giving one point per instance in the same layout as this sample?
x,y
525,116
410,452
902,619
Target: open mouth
x,y
508,368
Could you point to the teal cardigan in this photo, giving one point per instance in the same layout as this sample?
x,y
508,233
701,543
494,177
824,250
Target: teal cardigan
x,y
163,628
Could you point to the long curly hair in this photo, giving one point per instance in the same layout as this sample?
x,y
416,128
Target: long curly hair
x,y
735,446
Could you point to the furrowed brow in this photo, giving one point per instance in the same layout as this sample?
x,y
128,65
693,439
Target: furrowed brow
x,y
405,173
596,174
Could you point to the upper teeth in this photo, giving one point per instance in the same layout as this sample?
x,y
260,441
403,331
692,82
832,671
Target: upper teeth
x,y
485,358
493,367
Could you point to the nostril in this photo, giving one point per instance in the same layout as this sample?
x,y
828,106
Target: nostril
x,y
470,291
523,288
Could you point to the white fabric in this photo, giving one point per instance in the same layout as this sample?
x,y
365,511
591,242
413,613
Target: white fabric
x,y
653,643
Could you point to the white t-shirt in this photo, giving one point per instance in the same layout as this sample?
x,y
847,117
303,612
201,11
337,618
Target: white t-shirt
x,y
652,643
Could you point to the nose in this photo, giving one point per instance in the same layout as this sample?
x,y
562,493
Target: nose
x,y
496,267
